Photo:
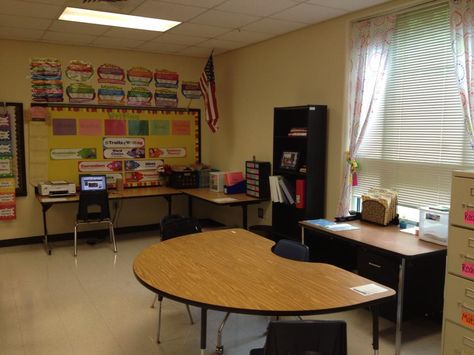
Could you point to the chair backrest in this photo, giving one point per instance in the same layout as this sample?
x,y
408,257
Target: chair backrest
x,y
93,206
306,337
291,249
176,225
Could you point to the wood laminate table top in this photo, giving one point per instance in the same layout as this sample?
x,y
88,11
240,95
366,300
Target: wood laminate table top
x,y
387,238
235,270
220,198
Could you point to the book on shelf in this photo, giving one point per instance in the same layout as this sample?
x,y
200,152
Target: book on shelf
x,y
281,191
298,132
288,190
300,192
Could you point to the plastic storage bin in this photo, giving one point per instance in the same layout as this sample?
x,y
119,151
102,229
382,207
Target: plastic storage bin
x,y
216,181
434,224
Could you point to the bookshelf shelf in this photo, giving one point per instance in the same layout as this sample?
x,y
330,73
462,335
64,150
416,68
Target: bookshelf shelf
x,y
311,152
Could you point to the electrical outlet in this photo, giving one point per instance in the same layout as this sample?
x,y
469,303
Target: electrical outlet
x,y
260,212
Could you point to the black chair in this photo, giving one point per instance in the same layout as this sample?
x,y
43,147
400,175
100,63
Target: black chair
x,y
94,209
173,226
285,248
306,337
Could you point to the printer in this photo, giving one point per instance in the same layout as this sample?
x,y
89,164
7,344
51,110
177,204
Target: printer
x,y
56,188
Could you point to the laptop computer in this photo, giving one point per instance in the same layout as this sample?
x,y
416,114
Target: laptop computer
x,y
93,183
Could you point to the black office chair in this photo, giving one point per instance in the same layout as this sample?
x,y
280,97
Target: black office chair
x,y
285,248
94,209
307,337
173,226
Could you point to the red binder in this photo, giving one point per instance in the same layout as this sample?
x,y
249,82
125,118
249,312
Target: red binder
x,y
300,187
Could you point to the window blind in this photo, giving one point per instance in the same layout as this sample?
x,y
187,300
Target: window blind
x,y
417,136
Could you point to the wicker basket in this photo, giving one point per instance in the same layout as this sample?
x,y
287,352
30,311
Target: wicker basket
x,y
379,206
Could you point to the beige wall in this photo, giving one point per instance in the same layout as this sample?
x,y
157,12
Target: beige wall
x,y
304,67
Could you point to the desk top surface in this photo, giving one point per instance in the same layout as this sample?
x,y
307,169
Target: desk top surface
x,y
388,238
235,270
219,197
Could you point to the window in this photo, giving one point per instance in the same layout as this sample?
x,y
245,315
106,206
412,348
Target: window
x,y
417,136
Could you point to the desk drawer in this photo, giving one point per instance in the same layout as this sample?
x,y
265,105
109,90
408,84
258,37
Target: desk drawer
x,y
459,301
378,267
462,200
457,340
461,251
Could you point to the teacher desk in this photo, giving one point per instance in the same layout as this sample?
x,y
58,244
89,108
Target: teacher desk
x,y
234,270
402,261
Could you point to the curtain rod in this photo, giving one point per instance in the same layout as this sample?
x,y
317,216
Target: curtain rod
x,y
398,10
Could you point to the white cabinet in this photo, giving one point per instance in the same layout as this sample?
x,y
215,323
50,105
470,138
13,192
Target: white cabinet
x,y
458,322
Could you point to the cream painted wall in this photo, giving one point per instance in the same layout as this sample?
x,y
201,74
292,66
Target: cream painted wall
x,y
15,87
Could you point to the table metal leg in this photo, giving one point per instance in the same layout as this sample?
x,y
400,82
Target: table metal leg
x,y
302,235
168,199
244,216
401,287
45,207
203,330
375,329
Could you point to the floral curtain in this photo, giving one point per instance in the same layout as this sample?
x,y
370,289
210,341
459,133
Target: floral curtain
x,y
370,43
462,33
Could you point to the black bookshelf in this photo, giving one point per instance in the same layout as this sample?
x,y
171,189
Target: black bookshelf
x,y
310,166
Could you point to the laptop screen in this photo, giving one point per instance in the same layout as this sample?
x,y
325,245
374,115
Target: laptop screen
x,y
93,183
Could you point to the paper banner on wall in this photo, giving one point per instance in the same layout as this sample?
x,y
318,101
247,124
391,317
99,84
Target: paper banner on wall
x,y
99,166
139,96
5,149
7,195
110,74
64,127
124,153
167,152
5,122
180,128
111,95
138,165
38,113
73,153
123,142
5,135
191,89
138,127
139,76
166,79
79,71
46,80
112,179
166,98
79,93
6,167
141,178
115,127
90,127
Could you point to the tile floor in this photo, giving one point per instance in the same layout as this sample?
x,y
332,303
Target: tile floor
x,y
93,305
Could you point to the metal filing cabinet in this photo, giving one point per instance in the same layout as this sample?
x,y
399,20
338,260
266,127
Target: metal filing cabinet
x,y
458,322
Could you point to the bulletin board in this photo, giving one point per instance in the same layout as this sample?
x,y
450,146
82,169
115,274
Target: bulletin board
x,y
128,143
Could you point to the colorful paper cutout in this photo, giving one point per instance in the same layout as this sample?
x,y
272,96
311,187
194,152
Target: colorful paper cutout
x,y
80,93
180,128
110,74
6,168
64,127
138,128
115,127
124,153
46,83
79,70
73,153
139,96
167,152
90,127
139,76
99,166
191,90
38,113
166,98
111,95
166,79
123,142
160,128
138,165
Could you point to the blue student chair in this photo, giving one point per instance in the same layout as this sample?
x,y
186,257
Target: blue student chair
x,y
94,209
173,226
305,337
288,249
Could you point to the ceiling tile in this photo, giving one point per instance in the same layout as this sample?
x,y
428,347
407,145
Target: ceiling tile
x,y
224,19
273,26
200,3
198,30
160,47
71,38
256,8
77,27
347,5
129,33
50,2
179,39
221,44
20,33
24,22
167,11
111,42
30,9
198,52
308,13
245,36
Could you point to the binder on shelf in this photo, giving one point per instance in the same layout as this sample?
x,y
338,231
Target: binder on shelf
x,y
300,192
288,191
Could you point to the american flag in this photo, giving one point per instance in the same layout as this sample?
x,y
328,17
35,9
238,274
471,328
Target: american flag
x,y
208,88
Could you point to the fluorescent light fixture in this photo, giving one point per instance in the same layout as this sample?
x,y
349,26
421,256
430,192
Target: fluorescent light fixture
x,y
118,20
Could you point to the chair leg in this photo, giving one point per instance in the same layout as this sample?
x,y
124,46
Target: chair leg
x,y
190,315
154,301
219,346
112,235
160,301
75,240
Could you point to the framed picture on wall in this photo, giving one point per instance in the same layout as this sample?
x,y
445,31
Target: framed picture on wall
x,y
12,142
289,160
